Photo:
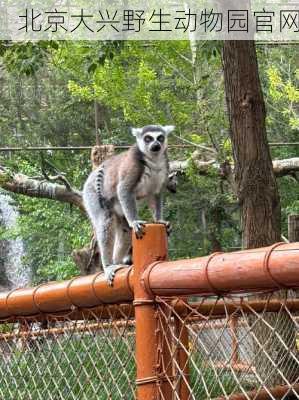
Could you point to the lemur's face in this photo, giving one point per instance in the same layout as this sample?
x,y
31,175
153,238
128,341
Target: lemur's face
x,y
152,140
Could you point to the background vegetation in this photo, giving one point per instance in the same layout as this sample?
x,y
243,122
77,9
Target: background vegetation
x,y
48,91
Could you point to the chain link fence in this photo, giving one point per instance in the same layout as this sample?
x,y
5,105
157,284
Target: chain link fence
x,y
230,347
59,357
227,347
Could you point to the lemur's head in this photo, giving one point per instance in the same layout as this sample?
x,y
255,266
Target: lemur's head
x,y
152,139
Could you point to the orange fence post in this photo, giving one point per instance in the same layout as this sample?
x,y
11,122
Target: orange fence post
x,y
152,247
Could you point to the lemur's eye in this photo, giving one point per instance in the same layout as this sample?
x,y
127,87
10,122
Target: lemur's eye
x,y
148,139
161,138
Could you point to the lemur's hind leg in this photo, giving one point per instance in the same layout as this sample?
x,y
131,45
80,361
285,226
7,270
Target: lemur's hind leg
x,y
108,237
105,232
103,222
123,242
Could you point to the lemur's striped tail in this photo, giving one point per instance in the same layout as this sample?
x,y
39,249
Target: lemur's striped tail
x,y
99,187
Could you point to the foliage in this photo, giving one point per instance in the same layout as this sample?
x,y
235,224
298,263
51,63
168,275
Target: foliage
x,y
50,231
57,270
47,98
280,77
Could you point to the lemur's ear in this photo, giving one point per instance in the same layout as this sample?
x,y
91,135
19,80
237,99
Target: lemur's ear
x,y
136,131
168,129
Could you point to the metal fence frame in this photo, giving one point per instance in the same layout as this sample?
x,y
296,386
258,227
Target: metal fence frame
x,y
154,284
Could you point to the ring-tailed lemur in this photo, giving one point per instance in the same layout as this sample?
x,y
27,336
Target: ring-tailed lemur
x,y
111,191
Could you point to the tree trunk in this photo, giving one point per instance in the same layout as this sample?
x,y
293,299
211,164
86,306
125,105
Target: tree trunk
x,y
257,191
255,180
293,228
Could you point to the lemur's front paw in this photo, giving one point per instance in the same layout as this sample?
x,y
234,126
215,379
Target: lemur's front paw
x,y
138,228
167,226
109,273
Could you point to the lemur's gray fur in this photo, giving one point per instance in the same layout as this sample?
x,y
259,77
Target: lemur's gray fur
x,y
111,191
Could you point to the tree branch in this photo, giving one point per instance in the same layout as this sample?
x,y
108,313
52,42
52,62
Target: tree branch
x,y
281,167
22,184
286,167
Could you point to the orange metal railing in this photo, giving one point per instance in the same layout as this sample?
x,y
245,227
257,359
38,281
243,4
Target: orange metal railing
x,y
271,267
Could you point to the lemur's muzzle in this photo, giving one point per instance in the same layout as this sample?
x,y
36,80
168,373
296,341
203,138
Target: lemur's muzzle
x,y
155,147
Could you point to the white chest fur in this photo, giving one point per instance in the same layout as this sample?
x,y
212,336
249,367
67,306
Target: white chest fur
x,y
153,179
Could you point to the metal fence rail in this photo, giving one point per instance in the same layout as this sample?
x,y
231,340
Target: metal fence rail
x,y
218,327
